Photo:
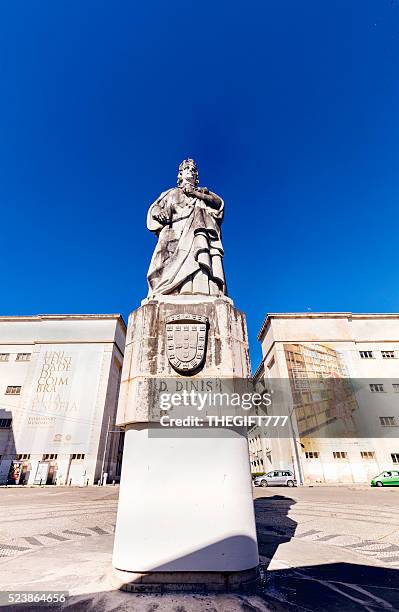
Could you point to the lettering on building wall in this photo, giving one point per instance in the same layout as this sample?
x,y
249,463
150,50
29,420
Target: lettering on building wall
x,y
54,371
59,410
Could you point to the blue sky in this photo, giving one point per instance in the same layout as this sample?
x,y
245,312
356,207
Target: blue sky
x,y
290,109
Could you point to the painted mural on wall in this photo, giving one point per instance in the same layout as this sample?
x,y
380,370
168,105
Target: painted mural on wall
x,y
322,391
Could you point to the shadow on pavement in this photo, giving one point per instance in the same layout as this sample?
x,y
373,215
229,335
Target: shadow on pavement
x,y
337,586
273,525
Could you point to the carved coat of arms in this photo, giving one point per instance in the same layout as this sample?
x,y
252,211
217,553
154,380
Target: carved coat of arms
x,y
186,341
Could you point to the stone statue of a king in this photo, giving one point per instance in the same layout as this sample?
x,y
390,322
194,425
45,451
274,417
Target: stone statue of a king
x,y
188,258
186,335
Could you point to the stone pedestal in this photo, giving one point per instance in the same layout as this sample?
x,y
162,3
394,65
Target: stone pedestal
x,y
185,515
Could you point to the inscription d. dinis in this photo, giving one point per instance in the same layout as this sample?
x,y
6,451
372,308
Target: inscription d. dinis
x,y
186,336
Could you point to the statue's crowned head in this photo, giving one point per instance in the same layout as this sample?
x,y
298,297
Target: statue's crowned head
x,y
188,173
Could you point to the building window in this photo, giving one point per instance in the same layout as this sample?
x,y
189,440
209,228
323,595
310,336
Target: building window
x,y
367,454
388,354
23,457
78,456
366,354
388,421
5,423
4,356
395,457
13,390
50,456
376,388
340,455
270,364
312,454
395,387
23,357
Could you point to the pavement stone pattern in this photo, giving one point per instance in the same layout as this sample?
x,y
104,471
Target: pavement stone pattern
x,y
273,520
320,549
41,526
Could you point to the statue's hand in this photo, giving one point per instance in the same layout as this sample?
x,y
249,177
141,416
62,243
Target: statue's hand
x,y
160,214
189,191
162,217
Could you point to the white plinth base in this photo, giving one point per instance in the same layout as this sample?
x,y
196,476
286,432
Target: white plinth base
x,y
185,504
188,582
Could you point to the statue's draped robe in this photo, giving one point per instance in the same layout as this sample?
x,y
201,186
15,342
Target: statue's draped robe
x,y
189,253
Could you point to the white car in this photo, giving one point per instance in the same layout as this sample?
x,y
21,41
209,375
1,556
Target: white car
x,y
279,478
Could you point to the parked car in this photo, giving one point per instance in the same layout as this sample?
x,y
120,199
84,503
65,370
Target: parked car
x,y
280,478
386,479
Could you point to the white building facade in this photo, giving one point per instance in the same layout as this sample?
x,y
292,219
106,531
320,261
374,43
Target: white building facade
x,y
342,373
59,386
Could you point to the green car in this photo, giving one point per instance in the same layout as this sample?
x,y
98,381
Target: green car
x,y
386,479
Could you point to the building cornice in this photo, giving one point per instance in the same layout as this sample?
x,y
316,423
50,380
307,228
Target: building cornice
x,y
62,317
321,315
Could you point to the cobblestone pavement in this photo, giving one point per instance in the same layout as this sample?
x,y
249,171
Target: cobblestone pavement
x,y
373,531
325,548
44,520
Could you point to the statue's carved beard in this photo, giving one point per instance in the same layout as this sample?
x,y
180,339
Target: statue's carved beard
x,y
188,181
